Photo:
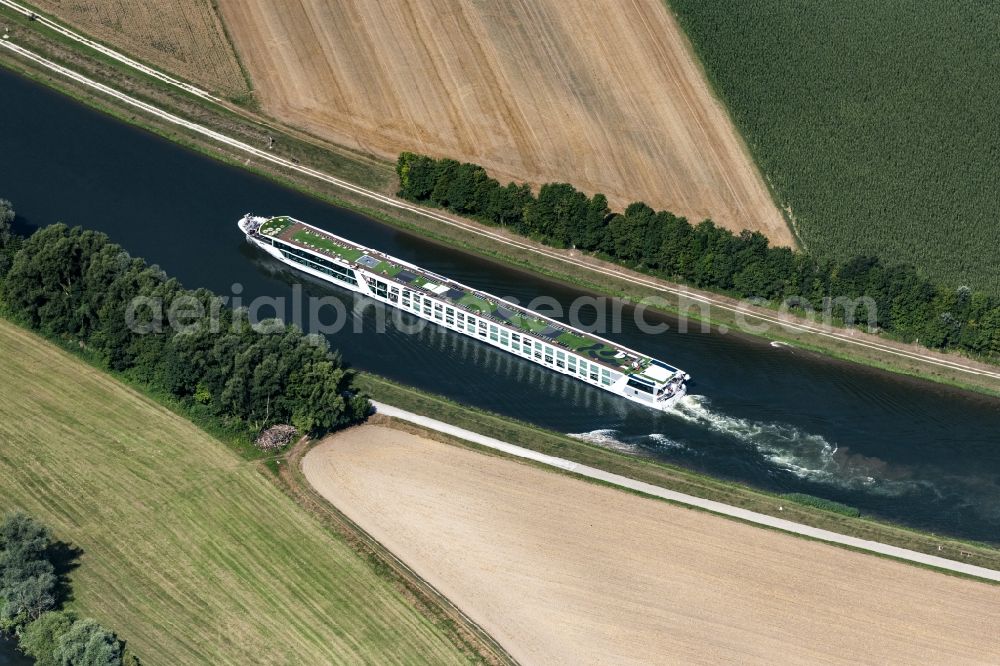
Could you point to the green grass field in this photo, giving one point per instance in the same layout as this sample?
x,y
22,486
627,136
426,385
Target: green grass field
x,y
875,122
188,551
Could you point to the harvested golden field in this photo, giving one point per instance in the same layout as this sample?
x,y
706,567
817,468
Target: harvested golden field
x,y
603,94
183,37
189,553
559,570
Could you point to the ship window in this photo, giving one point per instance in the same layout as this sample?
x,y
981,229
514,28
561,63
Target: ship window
x,y
548,358
450,321
517,338
560,364
470,327
316,263
642,386
407,293
572,362
548,350
515,346
461,317
437,307
538,353
561,355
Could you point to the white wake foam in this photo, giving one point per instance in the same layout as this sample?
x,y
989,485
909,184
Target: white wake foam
x,y
808,456
612,439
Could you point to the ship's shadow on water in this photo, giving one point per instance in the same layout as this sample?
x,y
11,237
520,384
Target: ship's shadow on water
x,y
780,419
414,338
773,455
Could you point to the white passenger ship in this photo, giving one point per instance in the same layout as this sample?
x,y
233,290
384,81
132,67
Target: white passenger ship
x,y
474,313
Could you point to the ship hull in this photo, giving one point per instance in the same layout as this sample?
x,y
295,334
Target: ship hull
x,y
362,284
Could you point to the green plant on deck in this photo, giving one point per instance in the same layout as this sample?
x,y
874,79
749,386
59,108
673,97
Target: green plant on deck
x,y
478,303
574,341
323,243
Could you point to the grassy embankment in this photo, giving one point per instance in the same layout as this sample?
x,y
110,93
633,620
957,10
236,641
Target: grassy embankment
x,y
188,551
250,126
665,475
378,175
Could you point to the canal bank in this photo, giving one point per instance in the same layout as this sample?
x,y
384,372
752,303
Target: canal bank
x,y
579,270
781,419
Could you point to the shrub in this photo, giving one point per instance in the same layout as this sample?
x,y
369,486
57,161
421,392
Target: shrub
x,y
820,503
27,578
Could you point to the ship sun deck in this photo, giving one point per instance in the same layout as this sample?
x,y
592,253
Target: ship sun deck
x,y
464,298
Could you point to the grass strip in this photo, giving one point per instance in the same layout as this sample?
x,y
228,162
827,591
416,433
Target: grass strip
x,y
672,477
188,550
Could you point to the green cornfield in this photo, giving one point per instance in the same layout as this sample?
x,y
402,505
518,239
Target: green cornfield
x,y
875,123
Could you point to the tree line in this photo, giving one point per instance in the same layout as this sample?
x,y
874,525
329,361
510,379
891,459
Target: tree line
x,y
76,285
907,305
31,592
9,241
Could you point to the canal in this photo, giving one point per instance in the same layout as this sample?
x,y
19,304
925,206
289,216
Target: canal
x,y
9,655
775,417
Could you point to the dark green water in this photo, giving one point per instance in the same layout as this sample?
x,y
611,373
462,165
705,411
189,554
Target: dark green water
x,y
778,418
9,656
